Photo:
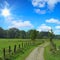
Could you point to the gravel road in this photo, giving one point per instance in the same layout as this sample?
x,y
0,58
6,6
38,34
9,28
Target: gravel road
x,y
37,53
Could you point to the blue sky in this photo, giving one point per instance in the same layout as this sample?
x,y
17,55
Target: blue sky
x,y
41,15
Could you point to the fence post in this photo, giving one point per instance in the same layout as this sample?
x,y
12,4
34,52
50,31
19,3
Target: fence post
x,y
9,49
4,53
22,44
19,46
14,48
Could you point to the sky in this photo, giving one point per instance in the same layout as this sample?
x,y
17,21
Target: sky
x,y
42,15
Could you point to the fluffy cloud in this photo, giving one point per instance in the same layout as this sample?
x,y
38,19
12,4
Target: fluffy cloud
x,y
57,31
49,4
52,20
44,27
40,11
57,27
20,24
38,3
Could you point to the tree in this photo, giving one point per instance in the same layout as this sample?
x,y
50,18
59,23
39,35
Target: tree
x,y
1,33
5,33
13,33
22,34
38,35
53,46
33,34
44,34
51,35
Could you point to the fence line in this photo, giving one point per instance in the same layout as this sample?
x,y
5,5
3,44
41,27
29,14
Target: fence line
x,y
16,49
19,48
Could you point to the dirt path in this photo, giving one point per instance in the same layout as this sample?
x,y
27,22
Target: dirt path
x,y
37,53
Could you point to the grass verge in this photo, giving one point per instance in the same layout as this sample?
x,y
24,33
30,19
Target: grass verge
x,y
25,54
49,55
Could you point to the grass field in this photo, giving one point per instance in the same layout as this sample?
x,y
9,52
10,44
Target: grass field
x,y
49,56
5,43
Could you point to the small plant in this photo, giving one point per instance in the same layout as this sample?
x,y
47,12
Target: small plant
x,y
1,58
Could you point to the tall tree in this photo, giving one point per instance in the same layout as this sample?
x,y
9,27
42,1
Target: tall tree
x,y
53,46
1,33
13,33
51,35
22,34
5,33
33,34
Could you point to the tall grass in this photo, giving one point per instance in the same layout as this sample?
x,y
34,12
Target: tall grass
x,y
49,55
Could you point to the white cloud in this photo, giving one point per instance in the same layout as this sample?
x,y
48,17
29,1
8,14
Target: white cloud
x,y
20,24
52,20
40,11
38,3
57,31
57,27
49,4
44,27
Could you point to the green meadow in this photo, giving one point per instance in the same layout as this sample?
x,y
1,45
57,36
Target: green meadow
x,y
5,43
52,56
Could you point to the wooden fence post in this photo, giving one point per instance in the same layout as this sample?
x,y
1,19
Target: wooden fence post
x,y
14,48
9,49
22,44
4,53
19,46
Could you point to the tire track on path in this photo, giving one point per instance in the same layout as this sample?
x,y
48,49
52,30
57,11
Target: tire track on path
x,y
37,53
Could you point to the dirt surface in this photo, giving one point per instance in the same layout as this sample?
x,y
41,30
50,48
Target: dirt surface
x,y
37,53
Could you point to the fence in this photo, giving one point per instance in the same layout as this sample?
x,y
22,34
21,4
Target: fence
x,y
8,53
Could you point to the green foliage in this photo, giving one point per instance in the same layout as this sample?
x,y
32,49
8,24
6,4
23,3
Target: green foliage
x,y
33,34
49,55
51,35
44,35
57,37
16,33
1,33
22,34
13,33
52,44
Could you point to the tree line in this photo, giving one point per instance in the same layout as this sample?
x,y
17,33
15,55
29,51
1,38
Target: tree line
x,y
16,33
